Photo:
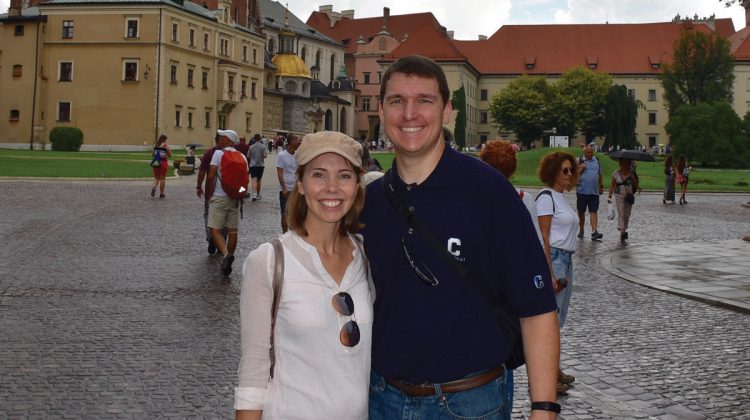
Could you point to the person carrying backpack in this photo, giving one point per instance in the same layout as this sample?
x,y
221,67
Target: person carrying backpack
x,y
229,167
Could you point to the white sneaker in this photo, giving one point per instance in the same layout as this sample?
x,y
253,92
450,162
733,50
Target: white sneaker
x,y
254,197
257,196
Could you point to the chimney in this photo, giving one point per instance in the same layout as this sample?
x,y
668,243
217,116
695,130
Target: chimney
x,y
348,14
15,8
326,8
482,37
450,34
386,12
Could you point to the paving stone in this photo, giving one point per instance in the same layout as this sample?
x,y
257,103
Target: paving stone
x,y
103,319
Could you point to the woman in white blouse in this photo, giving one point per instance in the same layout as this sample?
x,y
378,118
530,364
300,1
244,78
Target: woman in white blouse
x,y
323,329
558,223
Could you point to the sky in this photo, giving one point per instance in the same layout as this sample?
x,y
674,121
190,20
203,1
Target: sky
x,y
470,18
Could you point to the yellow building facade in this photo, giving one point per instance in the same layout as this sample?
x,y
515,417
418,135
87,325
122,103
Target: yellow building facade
x,y
125,73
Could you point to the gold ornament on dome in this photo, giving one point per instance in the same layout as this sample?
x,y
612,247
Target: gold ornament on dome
x,y
290,65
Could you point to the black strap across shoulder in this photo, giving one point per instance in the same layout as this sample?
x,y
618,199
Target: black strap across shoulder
x,y
510,323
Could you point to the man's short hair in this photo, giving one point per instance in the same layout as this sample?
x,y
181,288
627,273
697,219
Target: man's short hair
x,y
420,66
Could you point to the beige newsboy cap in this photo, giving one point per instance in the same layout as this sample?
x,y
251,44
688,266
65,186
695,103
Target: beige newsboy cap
x,y
315,144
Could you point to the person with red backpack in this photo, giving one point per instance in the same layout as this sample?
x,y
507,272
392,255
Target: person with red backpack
x,y
229,166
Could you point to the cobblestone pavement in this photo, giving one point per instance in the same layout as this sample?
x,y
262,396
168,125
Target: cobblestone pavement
x,y
111,308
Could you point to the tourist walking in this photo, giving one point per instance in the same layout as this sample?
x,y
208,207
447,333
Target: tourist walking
x,y
161,153
256,156
682,172
225,188
558,222
322,327
623,185
669,179
439,350
588,190
286,168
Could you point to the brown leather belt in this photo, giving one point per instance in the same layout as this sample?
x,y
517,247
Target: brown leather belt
x,y
427,389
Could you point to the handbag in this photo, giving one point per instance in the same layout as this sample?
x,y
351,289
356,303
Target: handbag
x,y
508,321
630,198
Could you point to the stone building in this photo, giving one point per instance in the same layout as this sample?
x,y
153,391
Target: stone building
x,y
126,72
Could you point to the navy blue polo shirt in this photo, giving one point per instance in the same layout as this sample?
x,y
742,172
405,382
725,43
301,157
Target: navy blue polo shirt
x,y
446,332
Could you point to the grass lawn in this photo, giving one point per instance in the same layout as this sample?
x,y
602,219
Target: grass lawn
x,y
47,163
37,163
651,173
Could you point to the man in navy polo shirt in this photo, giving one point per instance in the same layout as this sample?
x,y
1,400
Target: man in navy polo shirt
x,y
438,350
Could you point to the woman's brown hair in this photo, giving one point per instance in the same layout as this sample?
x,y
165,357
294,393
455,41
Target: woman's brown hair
x,y
551,165
501,155
296,206
161,139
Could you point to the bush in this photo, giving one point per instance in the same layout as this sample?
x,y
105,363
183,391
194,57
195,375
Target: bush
x,y
66,139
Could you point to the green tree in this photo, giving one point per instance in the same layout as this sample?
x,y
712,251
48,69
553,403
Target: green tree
x,y
620,118
458,102
523,107
702,71
580,102
710,134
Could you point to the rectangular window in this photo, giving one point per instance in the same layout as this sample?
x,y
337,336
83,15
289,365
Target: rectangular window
x,y
365,103
19,30
190,78
652,118
205,41
651,141
243,88
631,93
177,118
483,117
15,115
207,122
17,70
130,73
175,32
255,56
244,53
366,80
252,89
222,122
248,121
63,111
191,37
131,30
190,119
204,80
483,95
224,47
67,29
230,84
173,74
66,71
483,138
380,76
652,94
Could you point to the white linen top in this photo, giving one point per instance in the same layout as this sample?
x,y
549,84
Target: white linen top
x,y
562,232
315,377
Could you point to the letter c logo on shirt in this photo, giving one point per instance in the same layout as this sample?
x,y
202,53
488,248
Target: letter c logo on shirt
x,y
538,282
453,244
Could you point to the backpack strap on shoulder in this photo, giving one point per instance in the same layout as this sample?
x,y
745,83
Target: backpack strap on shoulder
x,y
549,193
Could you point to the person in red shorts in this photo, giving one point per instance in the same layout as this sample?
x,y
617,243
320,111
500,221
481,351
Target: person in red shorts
x,y
160,172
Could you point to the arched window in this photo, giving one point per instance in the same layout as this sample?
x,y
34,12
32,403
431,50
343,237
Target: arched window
x,y
304,88
329,120
342,121
271,46
303,54
290,87
317,58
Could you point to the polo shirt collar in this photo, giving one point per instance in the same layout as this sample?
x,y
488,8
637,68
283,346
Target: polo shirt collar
x,y
443,175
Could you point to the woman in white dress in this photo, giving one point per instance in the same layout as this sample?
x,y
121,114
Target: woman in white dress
x,y
322,333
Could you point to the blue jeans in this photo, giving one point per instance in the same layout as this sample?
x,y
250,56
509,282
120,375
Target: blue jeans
x,y
562,264
487,402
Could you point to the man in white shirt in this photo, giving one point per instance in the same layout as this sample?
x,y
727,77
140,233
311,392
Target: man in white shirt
x,y
286,166
223,211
